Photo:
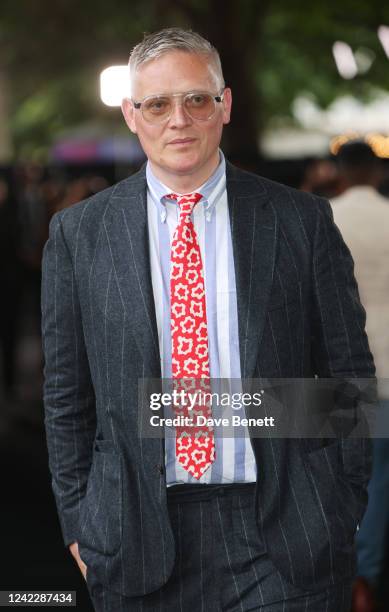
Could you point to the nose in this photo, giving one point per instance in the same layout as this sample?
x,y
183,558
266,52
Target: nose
x,y
179,117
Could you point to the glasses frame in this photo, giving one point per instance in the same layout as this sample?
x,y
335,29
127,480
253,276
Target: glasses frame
x,y
138,105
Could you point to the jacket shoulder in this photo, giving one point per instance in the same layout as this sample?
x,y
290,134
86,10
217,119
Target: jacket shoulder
x,y
89,213
298,213
283,197
301,213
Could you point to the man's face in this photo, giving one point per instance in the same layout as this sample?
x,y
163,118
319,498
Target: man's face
x,y
181,146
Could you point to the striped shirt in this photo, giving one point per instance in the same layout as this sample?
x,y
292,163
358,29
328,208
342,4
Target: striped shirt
x,y
235,460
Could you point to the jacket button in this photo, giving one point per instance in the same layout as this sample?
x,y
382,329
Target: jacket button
x,y
159,468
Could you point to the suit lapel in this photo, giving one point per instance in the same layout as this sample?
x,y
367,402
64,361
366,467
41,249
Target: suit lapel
x,y
254,238
128,238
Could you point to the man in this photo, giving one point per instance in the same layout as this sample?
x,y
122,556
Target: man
x,y
245,524
362,215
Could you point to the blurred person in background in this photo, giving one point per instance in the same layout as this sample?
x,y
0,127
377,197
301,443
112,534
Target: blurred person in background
x,y
362,215
53,192
189,524
79,189
33,220
321,178
10,283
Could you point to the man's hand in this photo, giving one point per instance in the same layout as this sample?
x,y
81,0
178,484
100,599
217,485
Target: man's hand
x,y
74,550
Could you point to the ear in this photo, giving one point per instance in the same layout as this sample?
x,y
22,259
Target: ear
x,y
129,114
227,104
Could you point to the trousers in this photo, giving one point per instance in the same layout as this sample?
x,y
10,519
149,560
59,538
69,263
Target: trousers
x,y
221,562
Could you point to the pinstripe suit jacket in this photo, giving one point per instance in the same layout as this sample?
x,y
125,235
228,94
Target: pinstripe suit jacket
x,y
299,315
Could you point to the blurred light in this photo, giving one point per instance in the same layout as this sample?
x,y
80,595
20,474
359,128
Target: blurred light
x,y
383,35
345,60
340,140
305,110
114,85
378,142
364,58
345,114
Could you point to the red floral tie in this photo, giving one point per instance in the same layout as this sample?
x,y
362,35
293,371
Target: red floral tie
x,y
195,446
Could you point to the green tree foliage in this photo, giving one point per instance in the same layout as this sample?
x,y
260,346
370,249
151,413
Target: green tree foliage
x,y
53,53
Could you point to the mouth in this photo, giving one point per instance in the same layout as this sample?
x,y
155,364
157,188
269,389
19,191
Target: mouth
x,y
181,141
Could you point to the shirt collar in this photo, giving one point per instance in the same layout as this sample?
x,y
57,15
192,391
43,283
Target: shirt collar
x,y
211,190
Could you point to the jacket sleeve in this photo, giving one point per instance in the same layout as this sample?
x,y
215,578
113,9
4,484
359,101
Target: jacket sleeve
x,y
340,345
69,400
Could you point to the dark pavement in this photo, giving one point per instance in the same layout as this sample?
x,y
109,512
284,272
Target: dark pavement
x,y
33,554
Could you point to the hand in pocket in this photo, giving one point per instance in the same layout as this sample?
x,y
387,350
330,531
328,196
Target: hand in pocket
x,y
74,550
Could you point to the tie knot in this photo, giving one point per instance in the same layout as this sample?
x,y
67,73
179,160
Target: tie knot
x,y
186,202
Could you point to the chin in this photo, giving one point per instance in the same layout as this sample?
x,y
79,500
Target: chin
x,y
184,166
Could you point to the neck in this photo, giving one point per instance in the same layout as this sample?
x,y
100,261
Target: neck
x,y
361,180
185,183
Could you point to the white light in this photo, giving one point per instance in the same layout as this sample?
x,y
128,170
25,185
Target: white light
x,y
383,35
345,114
114,85
345,60
364,58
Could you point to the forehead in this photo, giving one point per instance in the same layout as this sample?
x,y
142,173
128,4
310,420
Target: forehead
x,y
173,72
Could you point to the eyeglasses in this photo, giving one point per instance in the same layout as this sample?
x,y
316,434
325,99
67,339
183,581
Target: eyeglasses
x,y
199,105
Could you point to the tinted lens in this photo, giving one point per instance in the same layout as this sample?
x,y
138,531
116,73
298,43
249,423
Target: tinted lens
x,y
156,109
200,106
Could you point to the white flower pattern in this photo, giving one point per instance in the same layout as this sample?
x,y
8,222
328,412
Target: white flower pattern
x,y
177,270
198,292
187,325
185,345
196,309
181,291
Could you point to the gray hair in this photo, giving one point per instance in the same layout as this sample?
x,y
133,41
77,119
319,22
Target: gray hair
x,y
175,39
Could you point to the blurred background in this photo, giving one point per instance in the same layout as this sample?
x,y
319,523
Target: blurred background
x,y
307,78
